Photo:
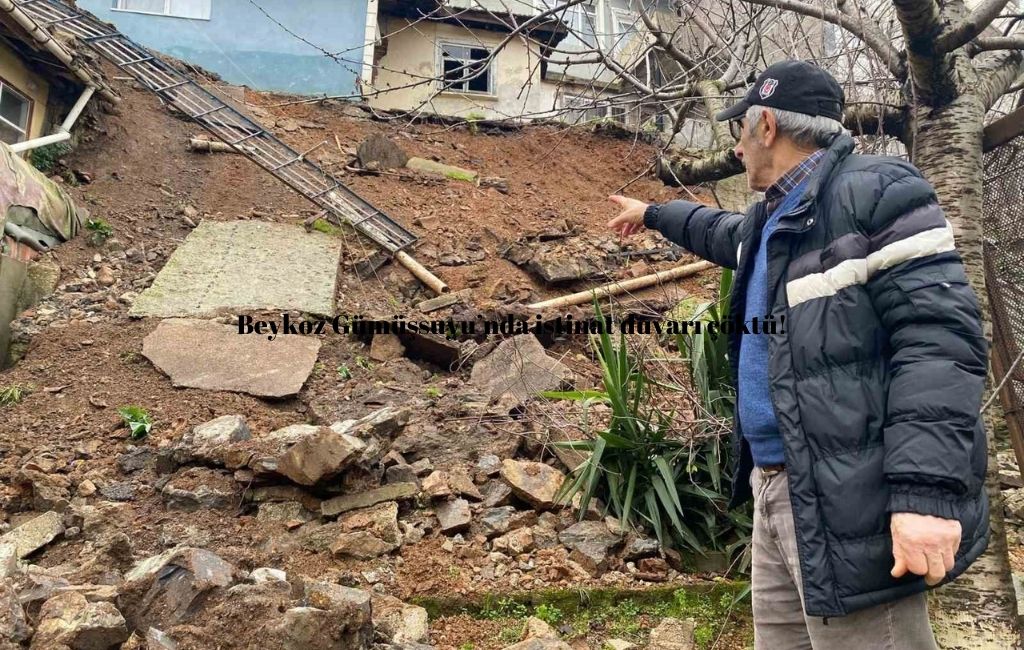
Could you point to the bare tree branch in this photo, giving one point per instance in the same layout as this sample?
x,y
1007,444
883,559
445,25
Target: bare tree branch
x,y
1003,130
982,16
870,35
931,70
690,168
998,80
989,43
874,118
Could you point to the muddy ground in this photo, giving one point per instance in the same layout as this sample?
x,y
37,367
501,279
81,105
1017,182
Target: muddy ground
x,y
83,359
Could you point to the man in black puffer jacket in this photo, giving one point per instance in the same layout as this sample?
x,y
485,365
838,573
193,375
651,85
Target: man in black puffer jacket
x,y
858,424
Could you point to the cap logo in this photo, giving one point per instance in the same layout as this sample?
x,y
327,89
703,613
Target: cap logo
x,y
768,87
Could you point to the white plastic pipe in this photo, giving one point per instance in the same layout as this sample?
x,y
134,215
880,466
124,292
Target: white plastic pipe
x,y
64,132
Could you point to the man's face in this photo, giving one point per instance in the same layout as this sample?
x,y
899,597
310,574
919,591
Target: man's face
x,y
754,150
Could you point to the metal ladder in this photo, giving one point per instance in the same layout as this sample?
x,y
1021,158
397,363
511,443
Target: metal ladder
x,y
224,122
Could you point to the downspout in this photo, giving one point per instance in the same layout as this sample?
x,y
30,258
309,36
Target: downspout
x,y
64,132
47,41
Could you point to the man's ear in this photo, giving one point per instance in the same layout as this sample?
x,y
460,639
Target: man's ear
x,y
771,129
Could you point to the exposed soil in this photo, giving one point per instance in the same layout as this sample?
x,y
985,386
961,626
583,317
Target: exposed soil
x,y
84,359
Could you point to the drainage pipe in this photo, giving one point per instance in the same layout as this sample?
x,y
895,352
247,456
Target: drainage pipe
x,y
64,132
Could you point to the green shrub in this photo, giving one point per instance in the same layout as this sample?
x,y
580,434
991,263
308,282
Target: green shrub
x,y
45,158
137,420
550,614
99,231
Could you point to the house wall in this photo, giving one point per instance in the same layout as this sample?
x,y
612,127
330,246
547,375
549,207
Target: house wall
x,y
413,55
246,47
28,83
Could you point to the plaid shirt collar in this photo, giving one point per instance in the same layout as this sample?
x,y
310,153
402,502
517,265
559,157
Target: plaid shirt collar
x,y
780,188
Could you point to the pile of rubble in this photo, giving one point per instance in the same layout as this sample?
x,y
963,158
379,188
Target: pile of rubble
x,y
338,490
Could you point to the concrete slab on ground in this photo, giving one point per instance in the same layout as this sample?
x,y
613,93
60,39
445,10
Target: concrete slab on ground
x,y
232,266
207,355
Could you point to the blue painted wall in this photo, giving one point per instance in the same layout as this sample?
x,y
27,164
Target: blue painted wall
x,y
244,46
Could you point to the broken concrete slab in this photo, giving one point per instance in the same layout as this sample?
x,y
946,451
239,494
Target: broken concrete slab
x,y
234,266
35,533
210,356
517,370
346,502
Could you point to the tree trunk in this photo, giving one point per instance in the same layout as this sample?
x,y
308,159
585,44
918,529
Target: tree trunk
x,y
978,610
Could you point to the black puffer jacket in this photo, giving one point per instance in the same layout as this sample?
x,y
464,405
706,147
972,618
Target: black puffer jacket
x,y
877,380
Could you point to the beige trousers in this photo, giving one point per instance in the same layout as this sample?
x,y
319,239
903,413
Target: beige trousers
x,y
779,620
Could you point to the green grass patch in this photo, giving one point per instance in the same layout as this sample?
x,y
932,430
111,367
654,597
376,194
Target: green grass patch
x,y
460,175
606,612
13,394
326,227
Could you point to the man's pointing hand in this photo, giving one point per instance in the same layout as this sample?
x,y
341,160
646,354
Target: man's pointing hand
x,y
631,219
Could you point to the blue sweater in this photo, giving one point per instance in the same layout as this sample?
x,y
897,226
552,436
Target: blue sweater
x,y
756,413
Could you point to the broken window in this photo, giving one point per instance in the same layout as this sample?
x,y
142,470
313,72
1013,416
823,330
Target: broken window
x,y
198,9
14,114
466,68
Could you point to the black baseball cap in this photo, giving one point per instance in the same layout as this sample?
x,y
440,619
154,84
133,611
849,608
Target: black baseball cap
x,y
795,86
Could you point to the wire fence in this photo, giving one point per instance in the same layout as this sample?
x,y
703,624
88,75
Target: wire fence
x,y
1004,277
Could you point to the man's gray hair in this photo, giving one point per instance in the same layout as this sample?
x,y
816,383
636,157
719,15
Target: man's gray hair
x,y
803,130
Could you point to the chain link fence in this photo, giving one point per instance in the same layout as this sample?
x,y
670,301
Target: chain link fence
x,y
1003,197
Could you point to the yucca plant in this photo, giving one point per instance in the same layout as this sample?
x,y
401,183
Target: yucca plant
x,y
632,465
711,375
647,472
707,353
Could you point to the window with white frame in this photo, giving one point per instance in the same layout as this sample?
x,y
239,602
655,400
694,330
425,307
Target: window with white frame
x,y
580,18
466,68
197,9
583,22
15,110
625,30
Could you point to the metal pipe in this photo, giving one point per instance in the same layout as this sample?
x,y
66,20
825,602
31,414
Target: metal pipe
x,y
44,38
64,133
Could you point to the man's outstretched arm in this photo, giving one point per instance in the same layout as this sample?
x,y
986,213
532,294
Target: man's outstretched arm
x,y
706,232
